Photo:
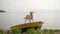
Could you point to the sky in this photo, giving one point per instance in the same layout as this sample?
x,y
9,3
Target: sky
x,y
47,11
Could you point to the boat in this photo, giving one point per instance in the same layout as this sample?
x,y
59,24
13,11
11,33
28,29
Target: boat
x,y
26,26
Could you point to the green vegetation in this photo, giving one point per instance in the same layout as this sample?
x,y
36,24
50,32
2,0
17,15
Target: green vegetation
x,y
2,32
57,30
50,31
16,31
31,31
44,31
37,31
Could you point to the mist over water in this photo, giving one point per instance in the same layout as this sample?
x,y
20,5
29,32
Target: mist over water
x,y
50,18
47,11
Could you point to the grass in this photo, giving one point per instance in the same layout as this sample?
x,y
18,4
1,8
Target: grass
x,y
38,31
16,31
31,31
2,32
50,31
44,31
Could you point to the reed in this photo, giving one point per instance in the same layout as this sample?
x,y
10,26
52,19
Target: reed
x,y
31,31
16,31
3,32
38,31
44,31
50,31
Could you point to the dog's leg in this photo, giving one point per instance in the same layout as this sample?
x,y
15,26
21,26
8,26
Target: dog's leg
x,y
29,21
25,20
32,20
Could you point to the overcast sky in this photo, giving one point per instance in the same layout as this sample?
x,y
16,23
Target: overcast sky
x,y
47,11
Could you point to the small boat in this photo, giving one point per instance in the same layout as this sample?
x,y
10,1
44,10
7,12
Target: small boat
x,y
26,26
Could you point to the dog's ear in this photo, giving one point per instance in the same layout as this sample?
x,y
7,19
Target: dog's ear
x,y
31,12
2,11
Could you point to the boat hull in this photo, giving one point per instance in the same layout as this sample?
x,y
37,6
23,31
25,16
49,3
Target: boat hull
x,y
26,26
